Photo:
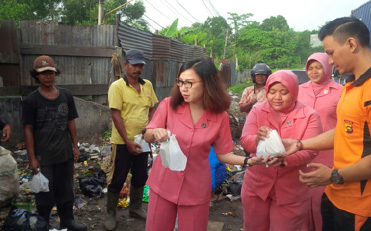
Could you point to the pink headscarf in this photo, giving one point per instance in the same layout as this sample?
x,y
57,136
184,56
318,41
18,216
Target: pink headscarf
x,y
322,58
289,80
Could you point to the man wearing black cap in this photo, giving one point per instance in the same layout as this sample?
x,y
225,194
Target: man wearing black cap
x,y
131,100
49,115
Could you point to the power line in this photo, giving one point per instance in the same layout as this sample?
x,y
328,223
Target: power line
x,y
153,21
187,11
208,9
177,11
158,10
172,10
213,7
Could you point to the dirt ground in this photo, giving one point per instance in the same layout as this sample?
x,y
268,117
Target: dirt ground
x,y
225,215
93,216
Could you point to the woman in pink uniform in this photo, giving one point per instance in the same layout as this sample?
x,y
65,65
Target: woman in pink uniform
x,y
322,94
273,197
195,113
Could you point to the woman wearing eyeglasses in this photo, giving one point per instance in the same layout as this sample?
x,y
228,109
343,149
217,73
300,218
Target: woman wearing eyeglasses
x,y
195,113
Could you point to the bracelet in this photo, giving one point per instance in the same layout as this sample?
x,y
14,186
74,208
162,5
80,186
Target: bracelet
x,y
299,145
245,162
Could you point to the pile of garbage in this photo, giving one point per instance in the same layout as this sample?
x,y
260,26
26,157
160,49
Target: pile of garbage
x,y
91,171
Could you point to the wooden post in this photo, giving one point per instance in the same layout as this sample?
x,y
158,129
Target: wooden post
x,y
225,44
100,11
118,43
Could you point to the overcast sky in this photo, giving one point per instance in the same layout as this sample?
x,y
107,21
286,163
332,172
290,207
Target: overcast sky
x,y
300,15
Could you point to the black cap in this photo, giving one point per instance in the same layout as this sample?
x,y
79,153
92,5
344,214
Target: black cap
x,y
135,57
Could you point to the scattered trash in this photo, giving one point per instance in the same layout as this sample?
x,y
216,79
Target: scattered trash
x,y
22,220
124,203
92,186
229,214
146,193
79,202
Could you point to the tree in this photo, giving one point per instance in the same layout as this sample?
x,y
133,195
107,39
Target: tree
x,y
72,12
23,10
272,22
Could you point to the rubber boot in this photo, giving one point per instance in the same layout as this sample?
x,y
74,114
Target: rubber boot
x,y
136,196
112,201
68,222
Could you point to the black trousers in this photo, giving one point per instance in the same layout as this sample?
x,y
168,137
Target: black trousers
x,y
60,193
124,162
334,219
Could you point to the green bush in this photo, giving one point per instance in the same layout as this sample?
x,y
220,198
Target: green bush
x,y
107,135
238,88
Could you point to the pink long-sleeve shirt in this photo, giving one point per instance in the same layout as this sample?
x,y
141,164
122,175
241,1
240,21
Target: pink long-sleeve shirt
x,y
193,185
301,123
325,102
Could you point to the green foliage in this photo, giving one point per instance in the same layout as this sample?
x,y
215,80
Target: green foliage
x,y
172,30
107,135
29,10
249,42
73,12
238,88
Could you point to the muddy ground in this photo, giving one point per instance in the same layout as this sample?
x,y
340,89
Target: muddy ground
x,y
225,214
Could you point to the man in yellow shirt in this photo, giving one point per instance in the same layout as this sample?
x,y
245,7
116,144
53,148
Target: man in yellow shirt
x,y
131,100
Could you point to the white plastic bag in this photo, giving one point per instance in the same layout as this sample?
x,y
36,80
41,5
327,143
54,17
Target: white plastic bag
x,y
172,156
272,145
39,183
139,140
9,183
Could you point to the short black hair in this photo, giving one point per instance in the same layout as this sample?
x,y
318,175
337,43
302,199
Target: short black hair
x,y
34,74
343,28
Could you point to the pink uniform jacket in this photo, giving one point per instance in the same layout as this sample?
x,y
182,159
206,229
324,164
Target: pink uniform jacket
x,y
193,185
301,122
325,102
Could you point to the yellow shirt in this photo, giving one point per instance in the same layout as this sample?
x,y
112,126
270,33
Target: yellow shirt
x,y
134,107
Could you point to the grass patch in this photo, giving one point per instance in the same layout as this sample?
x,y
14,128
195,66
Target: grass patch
x,y
107,135
238,88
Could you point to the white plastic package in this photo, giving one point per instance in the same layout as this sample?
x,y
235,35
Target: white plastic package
x,y
39,183
139,140
272,146
172,156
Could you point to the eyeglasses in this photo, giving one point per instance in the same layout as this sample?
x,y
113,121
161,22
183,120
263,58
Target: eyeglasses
x,y
187,84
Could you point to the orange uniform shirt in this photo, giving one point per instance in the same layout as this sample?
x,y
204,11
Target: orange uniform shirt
x,y
353,142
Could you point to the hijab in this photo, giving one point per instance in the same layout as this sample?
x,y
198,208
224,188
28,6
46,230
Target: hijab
x,y
290,81
322,58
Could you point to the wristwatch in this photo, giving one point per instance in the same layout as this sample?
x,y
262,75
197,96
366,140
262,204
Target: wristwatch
x,y
245,162
336,178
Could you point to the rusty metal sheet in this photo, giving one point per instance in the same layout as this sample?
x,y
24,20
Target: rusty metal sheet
x,y
133,38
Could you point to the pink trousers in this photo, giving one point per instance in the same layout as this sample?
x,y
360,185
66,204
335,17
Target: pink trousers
x,y
266,215
315,217
161,215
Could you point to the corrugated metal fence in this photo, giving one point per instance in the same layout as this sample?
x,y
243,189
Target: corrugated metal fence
x,y
83,54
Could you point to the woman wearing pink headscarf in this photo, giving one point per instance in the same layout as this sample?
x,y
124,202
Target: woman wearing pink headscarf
x,y
322,94
273,197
